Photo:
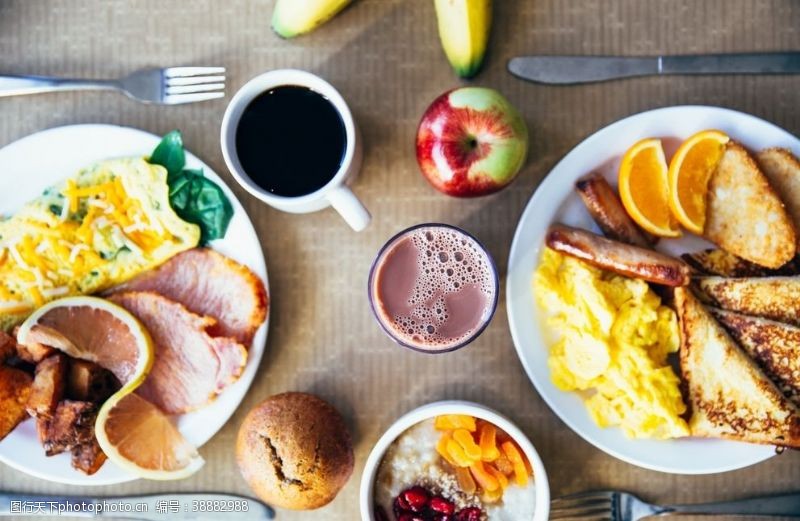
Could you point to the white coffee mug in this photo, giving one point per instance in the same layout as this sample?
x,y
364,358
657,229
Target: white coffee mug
x,y
336,193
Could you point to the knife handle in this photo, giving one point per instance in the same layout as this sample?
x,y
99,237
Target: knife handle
x,y
742,63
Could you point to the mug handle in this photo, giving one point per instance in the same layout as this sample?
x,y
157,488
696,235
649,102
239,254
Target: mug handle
x,y
350,208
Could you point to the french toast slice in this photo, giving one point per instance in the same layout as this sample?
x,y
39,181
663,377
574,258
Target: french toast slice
x,y
776,298
729,395
782,169
714,261
744,214
774,346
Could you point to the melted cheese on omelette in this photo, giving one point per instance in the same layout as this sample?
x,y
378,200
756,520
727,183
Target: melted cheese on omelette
x,y
99,228
614,338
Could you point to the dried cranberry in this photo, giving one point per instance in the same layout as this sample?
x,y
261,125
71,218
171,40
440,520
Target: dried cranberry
x,y
469,514
380,514
441,505
416,498
400,505
409,517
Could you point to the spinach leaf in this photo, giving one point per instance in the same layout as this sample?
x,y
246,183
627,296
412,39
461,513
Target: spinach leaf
x,y
199,200
169,153
194,198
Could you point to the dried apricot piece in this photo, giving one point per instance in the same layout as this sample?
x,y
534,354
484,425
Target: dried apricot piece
x,y
441,448
492,496
465,481
517,459
503,464
482,477
471,449
457,454
488,443
499,476
448,422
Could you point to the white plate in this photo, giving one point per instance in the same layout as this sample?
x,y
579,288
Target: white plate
x,y
37,161
556,201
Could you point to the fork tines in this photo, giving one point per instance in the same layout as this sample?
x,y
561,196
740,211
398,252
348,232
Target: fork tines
x,y
188,84
585,506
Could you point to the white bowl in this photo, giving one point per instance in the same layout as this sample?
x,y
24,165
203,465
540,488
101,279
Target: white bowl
x,y
453,407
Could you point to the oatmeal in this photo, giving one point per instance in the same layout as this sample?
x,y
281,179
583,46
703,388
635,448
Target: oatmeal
x,y
454,466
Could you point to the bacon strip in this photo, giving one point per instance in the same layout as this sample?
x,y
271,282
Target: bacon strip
x,y
209,284
191,367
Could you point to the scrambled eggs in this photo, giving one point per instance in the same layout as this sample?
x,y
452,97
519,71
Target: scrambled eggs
x,y
101,227
614,340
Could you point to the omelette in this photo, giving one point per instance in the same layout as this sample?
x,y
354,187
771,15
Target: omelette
x,y
614,338
101,227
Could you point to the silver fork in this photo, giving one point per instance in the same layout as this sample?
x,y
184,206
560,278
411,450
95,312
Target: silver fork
x,y
168,86
621,506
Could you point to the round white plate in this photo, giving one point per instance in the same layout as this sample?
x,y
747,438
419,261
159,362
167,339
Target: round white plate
x,y
556,201
35,162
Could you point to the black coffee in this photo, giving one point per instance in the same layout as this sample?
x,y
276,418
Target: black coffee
x,y
291,141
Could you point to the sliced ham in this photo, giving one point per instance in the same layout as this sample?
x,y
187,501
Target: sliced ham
x,y
191,367
210,284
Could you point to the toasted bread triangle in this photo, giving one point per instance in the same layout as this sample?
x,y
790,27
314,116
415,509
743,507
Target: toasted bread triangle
x,y
720,262
744,215
782,169
729,396
774,346
777,298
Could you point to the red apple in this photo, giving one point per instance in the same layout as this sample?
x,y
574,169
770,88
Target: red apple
x,y
471,141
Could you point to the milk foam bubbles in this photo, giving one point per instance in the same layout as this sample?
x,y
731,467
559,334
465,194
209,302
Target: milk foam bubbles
x,y
433,287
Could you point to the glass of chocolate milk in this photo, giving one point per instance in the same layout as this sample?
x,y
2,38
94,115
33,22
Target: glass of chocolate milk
x,y
433,288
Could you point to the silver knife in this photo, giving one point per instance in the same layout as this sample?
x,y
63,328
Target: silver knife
x,y
570,70
152,507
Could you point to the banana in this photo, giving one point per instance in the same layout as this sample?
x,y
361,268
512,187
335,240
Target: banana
x,y
295,17
464,30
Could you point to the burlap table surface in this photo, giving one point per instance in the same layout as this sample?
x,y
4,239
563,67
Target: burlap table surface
x,y
385,58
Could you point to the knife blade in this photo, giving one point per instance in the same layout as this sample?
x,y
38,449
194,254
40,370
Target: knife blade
x,y
572,70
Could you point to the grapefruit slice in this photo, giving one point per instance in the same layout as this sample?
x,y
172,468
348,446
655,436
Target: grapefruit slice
x,y
138,437
96,330
132,432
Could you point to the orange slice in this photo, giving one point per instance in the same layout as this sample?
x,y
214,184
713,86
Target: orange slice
x,y
644,189
689,173
132,432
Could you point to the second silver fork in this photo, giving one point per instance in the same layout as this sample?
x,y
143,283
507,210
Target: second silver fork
x,y
622,506
166,86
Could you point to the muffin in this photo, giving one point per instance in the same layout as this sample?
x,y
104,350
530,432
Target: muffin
x,y
295,452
